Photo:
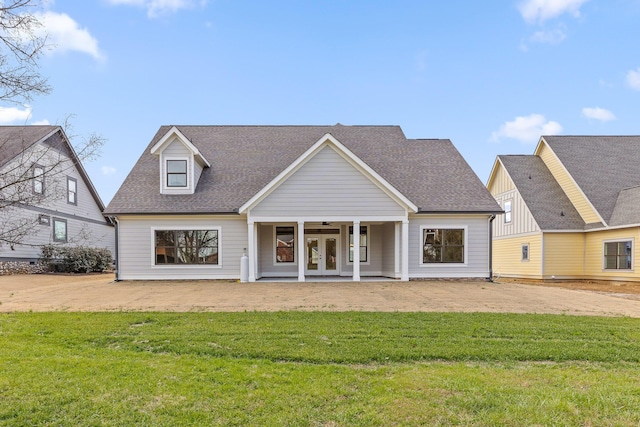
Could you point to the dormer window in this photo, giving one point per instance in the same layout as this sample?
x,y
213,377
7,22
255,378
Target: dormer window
x,y
176,173
181,163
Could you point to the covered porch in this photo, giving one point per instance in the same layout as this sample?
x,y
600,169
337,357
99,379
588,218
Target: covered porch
x,y
326,250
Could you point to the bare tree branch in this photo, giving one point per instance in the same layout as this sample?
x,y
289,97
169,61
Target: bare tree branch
x,y
21,45
34,175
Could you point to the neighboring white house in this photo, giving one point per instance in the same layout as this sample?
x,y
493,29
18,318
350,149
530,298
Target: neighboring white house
x,y
46,196
292,198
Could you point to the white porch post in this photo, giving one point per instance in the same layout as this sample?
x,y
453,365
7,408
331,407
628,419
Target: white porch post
x,y
301,247
356,251
405,251
398,250
251,250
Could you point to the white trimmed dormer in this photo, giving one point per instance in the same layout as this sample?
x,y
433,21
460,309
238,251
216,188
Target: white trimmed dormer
x,y
181,163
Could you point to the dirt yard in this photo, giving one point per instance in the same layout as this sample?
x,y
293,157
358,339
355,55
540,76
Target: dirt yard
x,y
48,292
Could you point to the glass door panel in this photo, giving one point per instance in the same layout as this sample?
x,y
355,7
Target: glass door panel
x,y
321,256
330,247
313,253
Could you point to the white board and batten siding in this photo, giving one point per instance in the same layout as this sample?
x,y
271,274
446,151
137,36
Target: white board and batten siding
x,y
522,221
327,185
137,247
476,263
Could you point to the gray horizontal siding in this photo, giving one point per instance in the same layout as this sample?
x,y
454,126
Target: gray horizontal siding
x,y
136,247
79,233
266,255
477,242
388,238
327,185
86,225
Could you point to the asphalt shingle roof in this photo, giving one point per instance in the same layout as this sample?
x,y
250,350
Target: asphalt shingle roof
x,y
602,166
244,159
16,139
549,205
627,209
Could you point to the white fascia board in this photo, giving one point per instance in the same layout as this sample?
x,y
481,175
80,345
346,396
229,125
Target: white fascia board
x,y
346,219
156,149
345,153
494,170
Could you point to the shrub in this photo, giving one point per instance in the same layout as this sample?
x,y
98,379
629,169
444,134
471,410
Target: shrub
x,y
78,259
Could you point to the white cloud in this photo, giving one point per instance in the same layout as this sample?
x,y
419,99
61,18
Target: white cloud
x,y
108,170
14,115
66,35
156,8
41,122
550,37
542,10
527,129
598,113
633,79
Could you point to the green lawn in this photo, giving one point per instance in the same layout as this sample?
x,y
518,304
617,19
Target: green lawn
x,y
318,369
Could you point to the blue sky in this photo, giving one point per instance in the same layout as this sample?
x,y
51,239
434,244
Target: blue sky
x,y
491,76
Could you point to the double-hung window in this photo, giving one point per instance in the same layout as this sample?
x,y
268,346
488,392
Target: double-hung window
x,y
38,179
507,212
285,244
176,173
187,247
363,243
618,255
442,245
72,191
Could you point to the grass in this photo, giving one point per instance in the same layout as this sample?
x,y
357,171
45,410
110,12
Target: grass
x,y
318,369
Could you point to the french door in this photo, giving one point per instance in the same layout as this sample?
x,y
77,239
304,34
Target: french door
x,y
321,255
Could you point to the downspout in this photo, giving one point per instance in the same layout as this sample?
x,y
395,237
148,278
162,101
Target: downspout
x,y
491,218
115,219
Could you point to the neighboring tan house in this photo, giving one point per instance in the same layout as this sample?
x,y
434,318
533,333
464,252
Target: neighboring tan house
x,y
46,196
292,197
571,210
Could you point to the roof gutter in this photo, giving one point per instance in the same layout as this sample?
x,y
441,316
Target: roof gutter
x,y
494,213
115,214
117,247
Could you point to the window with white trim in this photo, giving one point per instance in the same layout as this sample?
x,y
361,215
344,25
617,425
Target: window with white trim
x,y
285,244
38,179
72,191
177,173
443,245
507,211
186,247
363,243
618,255
525,252
59,230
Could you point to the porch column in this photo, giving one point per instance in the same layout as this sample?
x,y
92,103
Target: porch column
x,y
405,251
301,247
356,251
251,250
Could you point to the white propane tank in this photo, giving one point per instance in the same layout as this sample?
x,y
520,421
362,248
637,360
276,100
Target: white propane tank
x,y
244,267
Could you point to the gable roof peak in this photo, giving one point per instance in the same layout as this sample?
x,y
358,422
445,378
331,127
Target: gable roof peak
x,y
174,131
